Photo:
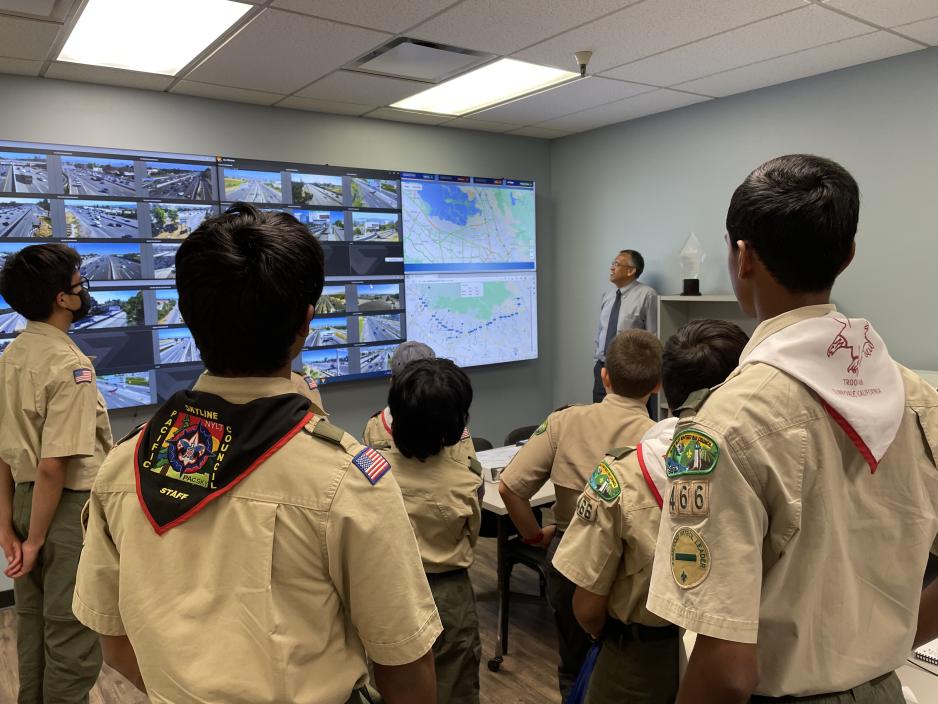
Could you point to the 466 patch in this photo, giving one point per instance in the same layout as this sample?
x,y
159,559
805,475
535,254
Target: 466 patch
x,y
689,498
586,509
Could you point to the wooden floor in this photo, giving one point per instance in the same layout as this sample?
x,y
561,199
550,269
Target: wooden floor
x,y
528,674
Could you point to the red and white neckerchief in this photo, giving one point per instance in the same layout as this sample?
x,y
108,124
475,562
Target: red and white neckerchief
x,y
651,451
846,363
386,419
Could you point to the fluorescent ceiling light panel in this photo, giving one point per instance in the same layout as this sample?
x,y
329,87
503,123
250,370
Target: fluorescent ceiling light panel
x,y
155,36
495,83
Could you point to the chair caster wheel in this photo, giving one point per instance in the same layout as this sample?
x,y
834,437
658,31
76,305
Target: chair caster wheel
x,y
495,664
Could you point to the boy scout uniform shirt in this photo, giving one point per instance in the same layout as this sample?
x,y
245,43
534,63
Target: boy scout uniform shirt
x,y
609,547
51,407
801,549
441,499
275,591
566,447
377,434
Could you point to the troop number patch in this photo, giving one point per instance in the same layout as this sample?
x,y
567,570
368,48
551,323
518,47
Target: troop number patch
x,y
586,509
691,452
690,498
690,558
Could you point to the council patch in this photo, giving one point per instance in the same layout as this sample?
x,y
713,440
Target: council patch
x,y
691,452
603,481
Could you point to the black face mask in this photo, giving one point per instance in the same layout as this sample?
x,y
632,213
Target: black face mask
x,y
84,308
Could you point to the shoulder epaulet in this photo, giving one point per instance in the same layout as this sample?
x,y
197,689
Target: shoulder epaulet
x,y
692,403
620,452
132,434
475,466
375,414
321,428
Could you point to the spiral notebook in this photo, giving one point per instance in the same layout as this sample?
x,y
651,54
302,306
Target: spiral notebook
x,y
928,652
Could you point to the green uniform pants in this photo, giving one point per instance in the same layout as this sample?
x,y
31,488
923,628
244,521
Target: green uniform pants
x,y
458,650
885,689
59,658
635,672
572,641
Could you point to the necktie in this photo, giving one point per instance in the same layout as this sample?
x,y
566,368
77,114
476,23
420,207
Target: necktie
x,y
613,324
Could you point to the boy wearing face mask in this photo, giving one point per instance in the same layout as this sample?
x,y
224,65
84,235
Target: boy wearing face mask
x,y
54,434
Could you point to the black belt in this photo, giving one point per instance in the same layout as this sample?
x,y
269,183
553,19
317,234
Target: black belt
x,y
625,632
449,574
757,698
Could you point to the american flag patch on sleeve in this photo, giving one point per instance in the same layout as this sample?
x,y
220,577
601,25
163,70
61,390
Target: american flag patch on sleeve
x,y
310,382
465,434
372,464
83,376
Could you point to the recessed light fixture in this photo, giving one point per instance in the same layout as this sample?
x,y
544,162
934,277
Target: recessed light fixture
x,y
156,36
498,82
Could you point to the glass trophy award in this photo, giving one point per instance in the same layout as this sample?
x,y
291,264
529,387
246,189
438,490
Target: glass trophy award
x,y
692,255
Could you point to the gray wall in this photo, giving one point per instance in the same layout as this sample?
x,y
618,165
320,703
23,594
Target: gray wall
x,y
647,184
83,114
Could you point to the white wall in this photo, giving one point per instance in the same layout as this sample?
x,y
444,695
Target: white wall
x,y
43,110
647,184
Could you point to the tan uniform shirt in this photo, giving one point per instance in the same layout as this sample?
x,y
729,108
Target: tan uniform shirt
x,y
568,445
609,547
441,499
799,547
275,591
377,434
51,407
306,386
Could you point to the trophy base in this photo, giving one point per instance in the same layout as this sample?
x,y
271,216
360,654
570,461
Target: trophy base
x,y
691,287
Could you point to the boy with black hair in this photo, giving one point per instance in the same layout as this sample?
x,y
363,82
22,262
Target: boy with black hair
x,y
565,448
802,572
609,548
429,402
238,515
54,435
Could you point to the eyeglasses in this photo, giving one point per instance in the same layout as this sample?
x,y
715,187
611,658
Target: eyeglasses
x,y
618,265
83,282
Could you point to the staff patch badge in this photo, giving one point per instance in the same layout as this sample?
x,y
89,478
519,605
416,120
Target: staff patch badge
x,y
586,509
603,481
690,558
691,452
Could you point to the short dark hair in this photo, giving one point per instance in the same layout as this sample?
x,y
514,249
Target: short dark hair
x,y
34,276
246,279
638,261
429,403
633,363
799,213
700,355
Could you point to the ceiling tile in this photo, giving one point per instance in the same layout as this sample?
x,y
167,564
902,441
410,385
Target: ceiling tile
x,y
926,31
830,57
888,14
469,123
280,52
417,118
628,109
363,88
238,95
328,106
389,16
650,27
540,132
808,27
504,27
108,76
20,67
26,39
570,97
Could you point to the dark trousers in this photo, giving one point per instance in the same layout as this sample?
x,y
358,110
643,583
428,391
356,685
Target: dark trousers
x,y
630,671
572,641
599,391
885,689
458,651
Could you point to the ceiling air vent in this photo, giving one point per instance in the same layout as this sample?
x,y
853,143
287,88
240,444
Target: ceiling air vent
x,y
418,61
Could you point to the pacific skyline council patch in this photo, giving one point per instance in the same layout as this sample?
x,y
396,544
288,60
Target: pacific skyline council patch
x,y
691,452
603,481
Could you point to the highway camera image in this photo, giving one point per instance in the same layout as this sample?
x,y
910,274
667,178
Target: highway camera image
x,y
375,227
376,359
109,262
10,320
125,390
23,173
101,219
379,297
177,345
332,300
167,307
253,186
177,221
324,332
378,328
374,193
96,176
325,225
183,181
324,363
5,342
113,309
25,217
164,260
315,189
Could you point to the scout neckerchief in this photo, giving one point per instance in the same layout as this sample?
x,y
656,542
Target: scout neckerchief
x,y
847,364
650,453
386,419
198,446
